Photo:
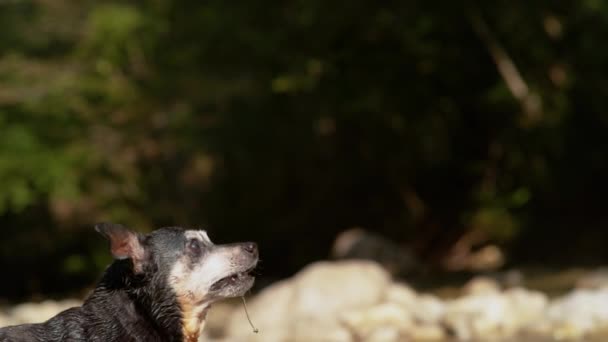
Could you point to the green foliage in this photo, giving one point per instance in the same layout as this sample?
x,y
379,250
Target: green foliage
x,y
110,30
29,169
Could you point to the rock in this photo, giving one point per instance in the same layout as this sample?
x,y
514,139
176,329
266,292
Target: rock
x,y
494,315
427,332
313,329
526,306
481,285
427,309
350,301
5,320
307,306
360,244
403,315
368,322
40,312
329,288
471,317
400,294
269,311
220,313
385,334
575,315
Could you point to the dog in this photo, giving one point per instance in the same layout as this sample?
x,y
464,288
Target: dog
x,y
159,288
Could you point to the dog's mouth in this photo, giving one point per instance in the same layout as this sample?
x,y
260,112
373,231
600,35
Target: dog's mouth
x,y
234,279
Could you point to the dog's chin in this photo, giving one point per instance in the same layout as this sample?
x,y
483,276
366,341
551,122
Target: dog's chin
x,y
235,285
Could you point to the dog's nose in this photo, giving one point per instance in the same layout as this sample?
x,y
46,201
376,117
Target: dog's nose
x,y
251,248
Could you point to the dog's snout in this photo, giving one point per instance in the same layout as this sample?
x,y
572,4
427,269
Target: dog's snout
x,y
251,248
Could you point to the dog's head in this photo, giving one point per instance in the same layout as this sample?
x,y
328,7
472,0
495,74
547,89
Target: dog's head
x,y
197,271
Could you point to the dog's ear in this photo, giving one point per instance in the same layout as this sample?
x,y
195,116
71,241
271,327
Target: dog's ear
x,y
124,243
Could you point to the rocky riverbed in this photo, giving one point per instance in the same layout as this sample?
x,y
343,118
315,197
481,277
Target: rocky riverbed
x,y
358,301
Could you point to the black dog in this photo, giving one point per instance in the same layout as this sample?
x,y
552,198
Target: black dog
x,y
159,289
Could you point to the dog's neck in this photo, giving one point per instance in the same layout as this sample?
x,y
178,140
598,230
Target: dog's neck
x,y
147,305
193,320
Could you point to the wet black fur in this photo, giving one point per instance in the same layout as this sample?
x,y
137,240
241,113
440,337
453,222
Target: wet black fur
x,y
124,306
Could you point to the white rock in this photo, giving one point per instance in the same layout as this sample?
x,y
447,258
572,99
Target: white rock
x,y
385,334
400,294
363,323
218,316
5,320
575,315
526,307
329,288
269,311
312,329
481,285
427,309
307,306
426,332
40,312
474,316
494,315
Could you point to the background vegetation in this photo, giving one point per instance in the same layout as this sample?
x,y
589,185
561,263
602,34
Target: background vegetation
x,y
289,122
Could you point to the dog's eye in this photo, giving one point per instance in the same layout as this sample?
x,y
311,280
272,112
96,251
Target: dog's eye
x,y
194,247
